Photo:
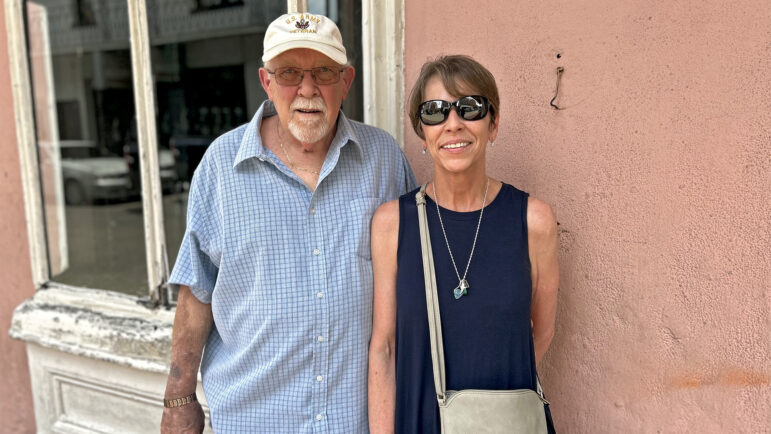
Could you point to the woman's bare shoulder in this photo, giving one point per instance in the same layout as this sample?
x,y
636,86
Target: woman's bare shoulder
x,y
541,219
386,218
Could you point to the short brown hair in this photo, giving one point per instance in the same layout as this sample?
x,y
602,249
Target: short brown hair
x,y
461,75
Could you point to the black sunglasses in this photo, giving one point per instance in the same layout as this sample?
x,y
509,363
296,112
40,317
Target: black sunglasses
x,y
470,108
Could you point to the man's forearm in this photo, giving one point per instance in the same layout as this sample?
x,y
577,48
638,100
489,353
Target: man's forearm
x,y
192,325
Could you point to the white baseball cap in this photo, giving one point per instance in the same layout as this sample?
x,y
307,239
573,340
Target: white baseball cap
x,y
303,30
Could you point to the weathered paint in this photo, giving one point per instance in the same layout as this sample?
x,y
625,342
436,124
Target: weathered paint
x,y
658,166
102,325
16,283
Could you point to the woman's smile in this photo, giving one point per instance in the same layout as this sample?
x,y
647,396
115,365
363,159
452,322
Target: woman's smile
x,y
455,145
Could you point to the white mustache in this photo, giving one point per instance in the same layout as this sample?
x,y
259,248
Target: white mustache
x,y
315,103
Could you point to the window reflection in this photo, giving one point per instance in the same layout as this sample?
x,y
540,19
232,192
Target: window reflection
x,y
84,110
84,13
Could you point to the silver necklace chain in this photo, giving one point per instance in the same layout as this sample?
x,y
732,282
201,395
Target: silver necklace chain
x,y
289,159
462,288
292,165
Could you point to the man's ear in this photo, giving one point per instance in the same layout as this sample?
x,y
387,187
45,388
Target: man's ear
x,y
265,80
348,75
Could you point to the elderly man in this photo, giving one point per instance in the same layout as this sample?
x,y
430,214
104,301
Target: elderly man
x,y
274,271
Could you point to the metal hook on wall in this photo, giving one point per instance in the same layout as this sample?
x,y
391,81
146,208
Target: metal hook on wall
x,y
557,90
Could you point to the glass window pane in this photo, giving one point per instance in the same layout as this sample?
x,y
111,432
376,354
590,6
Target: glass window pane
x,y
206,55
84,113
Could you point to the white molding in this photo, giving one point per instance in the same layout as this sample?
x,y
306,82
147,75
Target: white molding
x,y
80,395
383,72
98,360
152,200
25,136
99,388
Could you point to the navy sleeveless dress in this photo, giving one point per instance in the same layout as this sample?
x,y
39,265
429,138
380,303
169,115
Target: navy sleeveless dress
x,y
487,335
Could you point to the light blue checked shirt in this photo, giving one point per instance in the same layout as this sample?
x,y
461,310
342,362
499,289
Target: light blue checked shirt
x,y
288,273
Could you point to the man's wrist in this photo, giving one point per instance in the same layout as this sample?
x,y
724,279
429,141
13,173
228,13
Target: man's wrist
x,y
179,402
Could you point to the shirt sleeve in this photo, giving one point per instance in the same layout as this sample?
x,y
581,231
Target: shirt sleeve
x,y
198,261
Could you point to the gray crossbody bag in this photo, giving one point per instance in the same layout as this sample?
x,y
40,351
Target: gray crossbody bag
x,y
473,410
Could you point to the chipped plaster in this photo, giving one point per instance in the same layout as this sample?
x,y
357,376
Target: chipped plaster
x,y
98,324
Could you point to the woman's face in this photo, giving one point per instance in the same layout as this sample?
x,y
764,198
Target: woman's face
x,y
456,145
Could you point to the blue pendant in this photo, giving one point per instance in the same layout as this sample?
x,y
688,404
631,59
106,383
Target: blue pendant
x,y
461,289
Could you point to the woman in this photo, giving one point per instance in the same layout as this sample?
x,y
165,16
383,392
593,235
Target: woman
x,y
495,255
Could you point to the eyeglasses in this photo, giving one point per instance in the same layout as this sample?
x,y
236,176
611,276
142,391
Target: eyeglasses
x,y
470,108
291,76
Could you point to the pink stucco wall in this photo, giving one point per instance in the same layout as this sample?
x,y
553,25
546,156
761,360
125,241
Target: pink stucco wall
x,y
16,412
659,171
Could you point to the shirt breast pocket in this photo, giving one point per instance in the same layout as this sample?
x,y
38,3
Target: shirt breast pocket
x,y
363,209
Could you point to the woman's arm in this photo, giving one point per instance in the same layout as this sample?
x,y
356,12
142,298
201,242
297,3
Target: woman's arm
x,y
382,382
542,242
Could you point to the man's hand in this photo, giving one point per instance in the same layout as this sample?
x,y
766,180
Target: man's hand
x,y
187,419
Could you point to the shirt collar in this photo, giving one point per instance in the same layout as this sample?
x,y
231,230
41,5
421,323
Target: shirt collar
x,y
251,143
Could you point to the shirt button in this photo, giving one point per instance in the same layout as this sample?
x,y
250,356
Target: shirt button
x,y
319,378
320,338
313,210
316,251
318,416
320,295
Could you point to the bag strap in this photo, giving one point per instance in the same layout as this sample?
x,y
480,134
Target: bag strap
x,y
539,389
432,305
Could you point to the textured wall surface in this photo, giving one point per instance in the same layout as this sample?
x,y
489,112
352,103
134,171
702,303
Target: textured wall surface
x,y
16,411
658,168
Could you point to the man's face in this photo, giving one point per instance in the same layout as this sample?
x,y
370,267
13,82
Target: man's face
x,y
308,110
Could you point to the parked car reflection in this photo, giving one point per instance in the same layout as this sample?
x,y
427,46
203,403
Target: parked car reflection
x,y
166,165
91,173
